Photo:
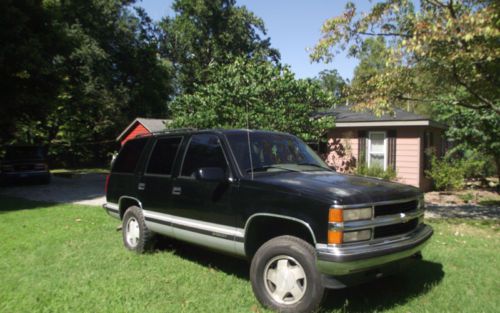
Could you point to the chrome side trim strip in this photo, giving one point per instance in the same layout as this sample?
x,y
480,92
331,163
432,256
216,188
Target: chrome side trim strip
x,y
369,204
249,220
218,237
112,209
215,229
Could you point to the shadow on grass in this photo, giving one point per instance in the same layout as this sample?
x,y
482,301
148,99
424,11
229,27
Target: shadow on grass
x,y
211,259
9,204
419,278
388,292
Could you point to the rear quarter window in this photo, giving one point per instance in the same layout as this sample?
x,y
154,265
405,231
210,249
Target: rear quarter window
x,y
129,155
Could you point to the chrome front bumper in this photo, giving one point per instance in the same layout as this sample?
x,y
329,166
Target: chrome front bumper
x,y
361,257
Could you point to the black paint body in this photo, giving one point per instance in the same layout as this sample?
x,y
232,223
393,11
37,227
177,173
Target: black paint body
x,y
303,195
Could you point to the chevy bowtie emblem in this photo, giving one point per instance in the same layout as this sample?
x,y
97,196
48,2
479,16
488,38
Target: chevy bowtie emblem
x,y
403,217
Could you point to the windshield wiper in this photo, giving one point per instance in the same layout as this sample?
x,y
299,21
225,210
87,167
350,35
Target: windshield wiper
x,y
266,167
315,165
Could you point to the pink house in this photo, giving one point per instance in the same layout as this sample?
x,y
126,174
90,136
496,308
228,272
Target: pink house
x,y
398,141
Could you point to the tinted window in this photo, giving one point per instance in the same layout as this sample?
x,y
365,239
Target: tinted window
x,y
204,151
126,161
163,156
272,149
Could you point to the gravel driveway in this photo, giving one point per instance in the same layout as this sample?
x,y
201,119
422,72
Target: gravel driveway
x,y
81,189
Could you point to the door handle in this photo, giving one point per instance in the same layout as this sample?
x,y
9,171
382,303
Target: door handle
x,y
141,186
176,191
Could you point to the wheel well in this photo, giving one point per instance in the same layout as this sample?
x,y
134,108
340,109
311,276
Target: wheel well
x,y
264,228
126,203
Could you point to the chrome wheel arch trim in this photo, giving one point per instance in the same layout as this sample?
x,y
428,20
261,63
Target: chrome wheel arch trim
x,y
297,220
139,203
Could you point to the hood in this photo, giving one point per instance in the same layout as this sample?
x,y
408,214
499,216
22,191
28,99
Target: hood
x,y
337,188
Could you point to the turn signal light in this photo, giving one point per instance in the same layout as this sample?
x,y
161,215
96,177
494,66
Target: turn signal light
x,y
335,216
335,237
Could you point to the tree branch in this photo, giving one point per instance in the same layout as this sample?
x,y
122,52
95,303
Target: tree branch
x,y
386,34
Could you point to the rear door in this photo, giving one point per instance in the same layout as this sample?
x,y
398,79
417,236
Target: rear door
x,y
156,183
124,176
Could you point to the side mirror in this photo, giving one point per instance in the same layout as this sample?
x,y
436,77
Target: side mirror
x,y
211,174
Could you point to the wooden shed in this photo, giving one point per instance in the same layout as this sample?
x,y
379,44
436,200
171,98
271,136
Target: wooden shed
x,y
141,126
400,141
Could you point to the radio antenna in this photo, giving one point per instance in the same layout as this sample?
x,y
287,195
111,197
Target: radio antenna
x,y
249,145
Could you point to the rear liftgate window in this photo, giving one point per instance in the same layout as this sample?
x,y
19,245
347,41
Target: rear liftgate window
x,y
126,161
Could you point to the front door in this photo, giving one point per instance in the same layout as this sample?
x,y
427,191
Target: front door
x,y
205,201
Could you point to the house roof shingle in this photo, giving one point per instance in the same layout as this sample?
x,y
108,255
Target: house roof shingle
x,y
345,115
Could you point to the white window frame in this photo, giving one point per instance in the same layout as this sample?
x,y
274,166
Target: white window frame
x,y
368,147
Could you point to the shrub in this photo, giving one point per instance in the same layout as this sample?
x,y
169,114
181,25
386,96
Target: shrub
x,y
447,174
376,171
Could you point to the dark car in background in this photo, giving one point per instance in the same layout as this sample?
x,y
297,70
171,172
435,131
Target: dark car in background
x,y
24,164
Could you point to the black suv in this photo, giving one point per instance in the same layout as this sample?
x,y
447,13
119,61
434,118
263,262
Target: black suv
x,y
24,164
267,197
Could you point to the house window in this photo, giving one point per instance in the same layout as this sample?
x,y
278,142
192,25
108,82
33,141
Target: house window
x,y
377,149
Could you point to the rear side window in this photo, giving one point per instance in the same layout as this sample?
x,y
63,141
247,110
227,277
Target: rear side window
x,y
127,159
163,156
204,151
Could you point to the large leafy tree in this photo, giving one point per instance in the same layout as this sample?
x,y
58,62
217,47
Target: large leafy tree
x,y
332,82
28,80
444,56
104,71
251,93
205,32
444,52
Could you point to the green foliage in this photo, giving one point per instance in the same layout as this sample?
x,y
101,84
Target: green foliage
x,y
331,81
376,171
466,197
440,52
207,32
372,56
254,94
474,134
447,173
100,70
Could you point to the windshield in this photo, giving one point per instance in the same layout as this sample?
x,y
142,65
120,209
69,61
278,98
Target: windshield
x,y
273,152
24,153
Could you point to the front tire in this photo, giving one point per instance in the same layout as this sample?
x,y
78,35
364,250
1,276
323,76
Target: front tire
x,y
136,235
284,275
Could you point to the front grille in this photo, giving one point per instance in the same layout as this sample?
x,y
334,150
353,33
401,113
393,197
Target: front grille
x,y
396,208
395,229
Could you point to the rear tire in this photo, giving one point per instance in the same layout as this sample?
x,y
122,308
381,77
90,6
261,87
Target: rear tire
x,y
284,275
136,235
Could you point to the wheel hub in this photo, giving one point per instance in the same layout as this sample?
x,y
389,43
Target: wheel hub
x,y
285,279
132,232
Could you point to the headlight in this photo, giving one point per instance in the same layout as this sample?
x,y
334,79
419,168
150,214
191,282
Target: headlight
x,y
357,214
359,235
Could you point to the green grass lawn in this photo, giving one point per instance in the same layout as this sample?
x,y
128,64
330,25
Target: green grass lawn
x,y
70,258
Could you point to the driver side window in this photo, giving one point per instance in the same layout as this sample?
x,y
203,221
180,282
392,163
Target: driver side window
x,y
204,150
